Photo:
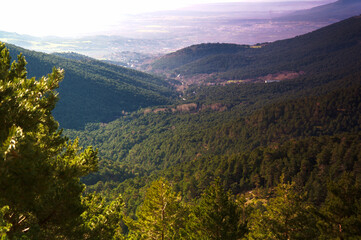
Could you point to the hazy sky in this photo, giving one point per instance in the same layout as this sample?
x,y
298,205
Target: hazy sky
x,y
77,17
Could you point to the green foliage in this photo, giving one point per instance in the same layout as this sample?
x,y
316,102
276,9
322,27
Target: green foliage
x,y
284,216
4,225
247,136
195,148
193,53
263,130
161,216
102,220
40,189
219,215
341,213
94,91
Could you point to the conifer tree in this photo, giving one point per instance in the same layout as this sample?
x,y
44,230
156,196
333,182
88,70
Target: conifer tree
x,y
102,220
40,190
219,215
284,216
340,216
161,216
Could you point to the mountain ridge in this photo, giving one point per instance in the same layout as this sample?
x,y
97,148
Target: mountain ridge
x,y
94,91
254,62
336,11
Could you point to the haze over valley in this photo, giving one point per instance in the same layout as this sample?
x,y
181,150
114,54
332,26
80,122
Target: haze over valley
x,y
154,33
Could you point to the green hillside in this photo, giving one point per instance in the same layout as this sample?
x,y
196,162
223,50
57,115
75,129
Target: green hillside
x,y
94,91
142,143
253,160
227,131
317,52
194,53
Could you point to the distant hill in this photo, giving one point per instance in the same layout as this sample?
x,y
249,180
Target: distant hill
x,y
94,91
336,11
324,50
74,56
193,53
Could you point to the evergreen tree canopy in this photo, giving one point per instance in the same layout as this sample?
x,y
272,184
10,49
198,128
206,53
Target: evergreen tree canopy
x,y
40,189
161,215
285,216
341,213
219,215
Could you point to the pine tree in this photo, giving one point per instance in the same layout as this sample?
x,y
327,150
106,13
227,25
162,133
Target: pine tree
x,y
102,220
161,216
284,216
219,215
340,216
39,170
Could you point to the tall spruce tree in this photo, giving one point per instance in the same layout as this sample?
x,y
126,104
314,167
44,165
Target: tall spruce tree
x,y
40,189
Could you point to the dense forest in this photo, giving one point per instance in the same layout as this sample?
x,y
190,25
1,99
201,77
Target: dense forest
x,y
254,160
95,91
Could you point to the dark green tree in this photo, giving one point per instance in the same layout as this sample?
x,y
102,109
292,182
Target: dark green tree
x,y
341,213
39,170
4,225
219,215
161,216
102,220
284,216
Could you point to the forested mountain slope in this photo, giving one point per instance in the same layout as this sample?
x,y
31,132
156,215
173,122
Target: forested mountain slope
x,y
194,53
313,141
153,141
288,152
242,132
246,152
94,91
317,52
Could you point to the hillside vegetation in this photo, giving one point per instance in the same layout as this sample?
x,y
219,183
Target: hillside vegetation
x,y
94,91
332,49
254,160
226,131
194,53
